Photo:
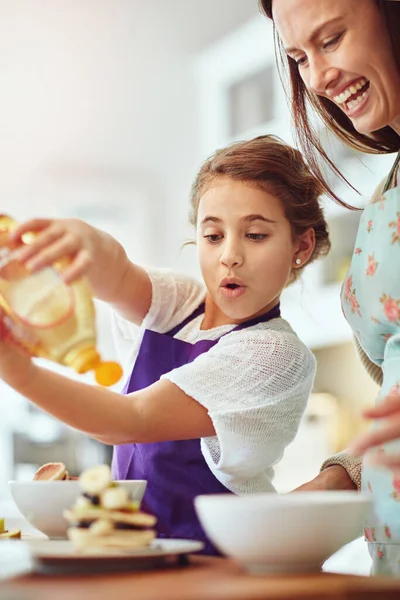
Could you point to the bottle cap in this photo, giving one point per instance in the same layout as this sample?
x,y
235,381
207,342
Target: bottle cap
x,y
87,359
107,373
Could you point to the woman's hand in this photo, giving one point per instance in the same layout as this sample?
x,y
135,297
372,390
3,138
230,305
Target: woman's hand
x,y
331,478
388,414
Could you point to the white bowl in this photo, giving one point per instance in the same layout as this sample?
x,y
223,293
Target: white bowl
x,y
283,533
42,503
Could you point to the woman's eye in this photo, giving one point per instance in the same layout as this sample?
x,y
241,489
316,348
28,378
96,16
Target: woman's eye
x,y
300,62
256,237
332,41
213,237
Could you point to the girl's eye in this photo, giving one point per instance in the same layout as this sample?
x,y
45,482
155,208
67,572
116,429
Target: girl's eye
x,y
257,237
213,238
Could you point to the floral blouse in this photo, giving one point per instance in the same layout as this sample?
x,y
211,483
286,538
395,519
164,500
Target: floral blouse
x,y
371,305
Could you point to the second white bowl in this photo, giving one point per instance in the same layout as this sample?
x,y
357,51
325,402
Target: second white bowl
x,y
283,533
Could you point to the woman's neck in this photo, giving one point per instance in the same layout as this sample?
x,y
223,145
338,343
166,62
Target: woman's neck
x,y
395,125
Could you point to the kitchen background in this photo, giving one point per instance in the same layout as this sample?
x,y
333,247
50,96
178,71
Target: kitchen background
x,y
107,110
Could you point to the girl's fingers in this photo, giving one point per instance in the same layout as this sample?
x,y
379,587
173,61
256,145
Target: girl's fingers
x,y
389,432
65,247
47,237
76,269
31,226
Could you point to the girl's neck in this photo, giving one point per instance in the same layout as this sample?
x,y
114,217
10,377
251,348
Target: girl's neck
x,y
214,317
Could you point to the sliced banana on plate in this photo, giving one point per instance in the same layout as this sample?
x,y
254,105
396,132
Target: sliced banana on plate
x,y
96,479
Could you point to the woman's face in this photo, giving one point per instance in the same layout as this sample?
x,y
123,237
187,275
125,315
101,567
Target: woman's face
x,y
343,52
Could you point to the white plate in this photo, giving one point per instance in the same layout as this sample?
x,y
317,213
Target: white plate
x,y
60,556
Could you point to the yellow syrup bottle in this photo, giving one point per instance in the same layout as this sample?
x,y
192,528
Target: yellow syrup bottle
x,y
49,318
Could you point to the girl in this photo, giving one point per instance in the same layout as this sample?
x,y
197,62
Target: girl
x,y
344,60
219,380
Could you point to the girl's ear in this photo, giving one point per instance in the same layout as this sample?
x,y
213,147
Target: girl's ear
x,y
304,247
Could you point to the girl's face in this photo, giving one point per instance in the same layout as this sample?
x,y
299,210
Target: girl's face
x,y
343,52
246,249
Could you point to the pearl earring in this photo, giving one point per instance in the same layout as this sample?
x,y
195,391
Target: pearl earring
x,y
298,261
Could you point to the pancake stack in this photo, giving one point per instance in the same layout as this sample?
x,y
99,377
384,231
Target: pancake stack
x,y
104,516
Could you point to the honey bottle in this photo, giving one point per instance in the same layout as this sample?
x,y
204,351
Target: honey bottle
x,y
49,318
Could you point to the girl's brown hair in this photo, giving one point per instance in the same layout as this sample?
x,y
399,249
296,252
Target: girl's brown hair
x,y
269,164
383,141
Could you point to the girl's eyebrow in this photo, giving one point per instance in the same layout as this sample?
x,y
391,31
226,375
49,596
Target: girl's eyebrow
x,y
314,34
258,218
248,218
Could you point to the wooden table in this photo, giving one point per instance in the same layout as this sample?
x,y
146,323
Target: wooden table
x,y
203,579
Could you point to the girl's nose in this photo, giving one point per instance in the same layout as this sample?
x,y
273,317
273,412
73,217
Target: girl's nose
x,y
231,256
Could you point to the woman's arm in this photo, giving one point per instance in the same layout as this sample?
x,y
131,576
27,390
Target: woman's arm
x,y
332,478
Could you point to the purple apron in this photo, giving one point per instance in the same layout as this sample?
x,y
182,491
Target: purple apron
x,y
176,471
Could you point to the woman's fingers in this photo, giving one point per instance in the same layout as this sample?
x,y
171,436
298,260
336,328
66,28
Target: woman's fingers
x,y
389,406
389,431
383,460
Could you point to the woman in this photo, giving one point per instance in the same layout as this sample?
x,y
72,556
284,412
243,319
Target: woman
x,y
327,46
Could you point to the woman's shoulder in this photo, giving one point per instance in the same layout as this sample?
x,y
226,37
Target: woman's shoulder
x,y
376,196
391,180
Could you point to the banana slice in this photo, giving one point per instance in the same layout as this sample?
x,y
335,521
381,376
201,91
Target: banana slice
x,y
83,502
138,518
10,534
114,498
101,527
96,479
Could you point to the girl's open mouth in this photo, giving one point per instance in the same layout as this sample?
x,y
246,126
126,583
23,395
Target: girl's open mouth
x,y
232,290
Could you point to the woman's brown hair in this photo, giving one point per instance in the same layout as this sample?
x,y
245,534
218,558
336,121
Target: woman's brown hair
x,y
383,141
269,164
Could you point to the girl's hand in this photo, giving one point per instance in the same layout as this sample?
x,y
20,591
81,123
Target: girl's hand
x,y
58,239
16,366
388,413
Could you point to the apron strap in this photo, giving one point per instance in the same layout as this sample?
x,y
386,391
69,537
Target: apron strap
x,y
392,174
274,313
196,313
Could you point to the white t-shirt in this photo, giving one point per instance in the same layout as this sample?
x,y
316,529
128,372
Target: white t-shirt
x,y
254,382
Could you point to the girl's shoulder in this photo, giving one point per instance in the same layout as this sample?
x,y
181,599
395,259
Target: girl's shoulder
x,y
174,296
274,338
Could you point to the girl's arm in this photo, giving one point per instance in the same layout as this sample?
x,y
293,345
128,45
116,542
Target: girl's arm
x,y
92,253
158,413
